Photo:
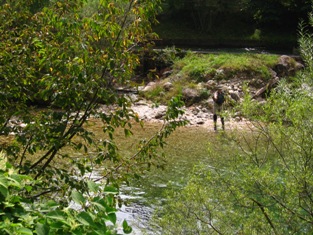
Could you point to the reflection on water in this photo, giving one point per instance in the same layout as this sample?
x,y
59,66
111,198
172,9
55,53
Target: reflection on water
x,y
186,147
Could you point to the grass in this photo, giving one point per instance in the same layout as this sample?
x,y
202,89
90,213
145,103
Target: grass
x,y
199,68
235,62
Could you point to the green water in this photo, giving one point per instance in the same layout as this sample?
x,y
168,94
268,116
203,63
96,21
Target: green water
x,y
186,147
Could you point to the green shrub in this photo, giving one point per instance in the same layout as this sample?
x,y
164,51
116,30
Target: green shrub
x,y
198,74
94,214
258,180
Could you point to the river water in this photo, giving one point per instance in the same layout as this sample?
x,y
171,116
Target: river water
x,y
186,147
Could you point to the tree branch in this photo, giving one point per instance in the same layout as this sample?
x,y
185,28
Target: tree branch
x,y
71,132
265,214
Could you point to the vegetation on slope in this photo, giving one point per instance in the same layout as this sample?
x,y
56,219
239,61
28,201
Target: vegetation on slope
x,y
195,69
257,181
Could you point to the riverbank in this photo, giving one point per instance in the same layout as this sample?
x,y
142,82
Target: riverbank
x,y
197,115
285,47
196,76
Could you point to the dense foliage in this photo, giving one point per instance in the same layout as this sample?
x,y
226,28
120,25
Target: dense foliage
x,y
60,65
268,14
87,214
257,181
223,23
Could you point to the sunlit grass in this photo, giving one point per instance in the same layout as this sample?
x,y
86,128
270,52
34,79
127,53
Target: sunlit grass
x,y
236,62
196,68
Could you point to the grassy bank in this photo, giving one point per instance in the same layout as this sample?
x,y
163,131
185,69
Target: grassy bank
x,y
195,69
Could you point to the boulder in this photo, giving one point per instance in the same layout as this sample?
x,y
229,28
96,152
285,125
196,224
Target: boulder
x,y
149,86
190,96
167,86
262,92
287,66
160,114
210,84
299,66
190,93
234,95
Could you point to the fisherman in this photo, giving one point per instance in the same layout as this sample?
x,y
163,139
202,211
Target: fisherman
x,y
219,99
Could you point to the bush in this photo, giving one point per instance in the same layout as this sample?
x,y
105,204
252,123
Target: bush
x,y
94,214
257,181
254,182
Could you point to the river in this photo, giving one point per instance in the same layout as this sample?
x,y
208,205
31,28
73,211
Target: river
x,y
186,147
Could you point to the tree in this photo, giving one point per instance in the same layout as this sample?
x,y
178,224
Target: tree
x,y
278,13
68,57
210,16
19,215
258,181
203,13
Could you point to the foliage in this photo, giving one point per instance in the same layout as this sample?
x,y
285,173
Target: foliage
x,y
263,12
154,62
61,62
233,24
272,14
257,181
155,93
203,13
91,213
305,42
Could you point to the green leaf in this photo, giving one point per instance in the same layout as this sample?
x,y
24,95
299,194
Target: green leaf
x,y
100,201
57,215
78,197
98,206
58,224
112,217
127,132
3,186
25,231
85,218
126,228
49,206
92,186
42,229
3,190
28,188
111,190
15,180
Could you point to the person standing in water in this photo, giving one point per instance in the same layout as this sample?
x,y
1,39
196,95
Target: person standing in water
x,y
219,99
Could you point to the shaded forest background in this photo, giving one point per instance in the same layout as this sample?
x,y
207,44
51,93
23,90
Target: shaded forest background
x,y
224,23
